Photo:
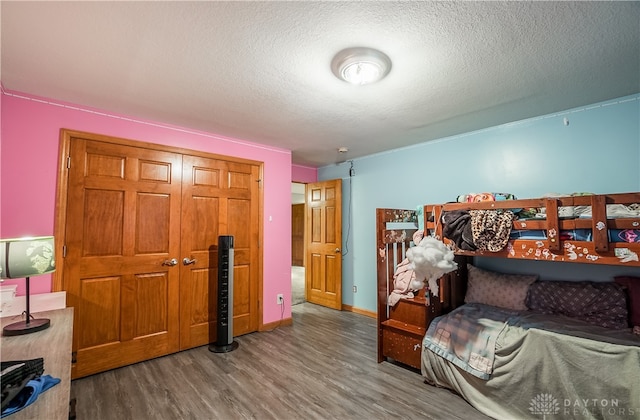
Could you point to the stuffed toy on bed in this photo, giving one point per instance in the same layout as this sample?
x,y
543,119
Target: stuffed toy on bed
x,y
425,264
431,259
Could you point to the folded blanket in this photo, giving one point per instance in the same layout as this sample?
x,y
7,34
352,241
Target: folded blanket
x,y
614,211
467,337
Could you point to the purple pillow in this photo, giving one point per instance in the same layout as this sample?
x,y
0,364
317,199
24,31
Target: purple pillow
x,y
633,289
599,303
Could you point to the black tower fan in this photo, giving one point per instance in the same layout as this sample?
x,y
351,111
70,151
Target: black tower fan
x,y
224,338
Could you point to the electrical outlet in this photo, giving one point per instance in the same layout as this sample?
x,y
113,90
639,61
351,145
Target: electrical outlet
x,y
355,289
280,298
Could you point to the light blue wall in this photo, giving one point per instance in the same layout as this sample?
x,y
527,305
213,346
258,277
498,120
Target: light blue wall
x,y
598,151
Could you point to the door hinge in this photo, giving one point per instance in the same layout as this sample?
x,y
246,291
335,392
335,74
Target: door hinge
x,y
74,357
64,251
68,162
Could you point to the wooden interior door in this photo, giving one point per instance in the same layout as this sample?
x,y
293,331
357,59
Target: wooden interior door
x,y
323,280
297,235
122,231
218,198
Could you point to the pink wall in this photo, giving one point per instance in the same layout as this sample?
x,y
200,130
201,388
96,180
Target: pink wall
x,y
30,129
303,174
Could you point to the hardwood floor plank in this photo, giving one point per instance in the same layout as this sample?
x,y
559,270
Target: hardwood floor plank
x,y
321,367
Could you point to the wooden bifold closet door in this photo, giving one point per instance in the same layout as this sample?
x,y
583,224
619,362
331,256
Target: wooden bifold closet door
x,y
218,198
140,234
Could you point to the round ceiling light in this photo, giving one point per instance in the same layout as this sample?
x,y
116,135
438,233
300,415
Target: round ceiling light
x,y
360,65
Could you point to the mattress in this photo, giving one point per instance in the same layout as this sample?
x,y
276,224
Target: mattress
x,y
542,365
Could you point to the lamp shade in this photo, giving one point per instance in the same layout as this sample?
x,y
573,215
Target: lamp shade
x,y
25,257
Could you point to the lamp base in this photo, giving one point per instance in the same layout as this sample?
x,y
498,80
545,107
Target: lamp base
x,y
24,327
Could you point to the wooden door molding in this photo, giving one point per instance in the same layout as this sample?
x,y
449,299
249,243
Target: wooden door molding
x,y
323,263
297,234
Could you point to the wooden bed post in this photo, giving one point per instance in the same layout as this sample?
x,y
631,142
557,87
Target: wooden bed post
x,y
381,260
599,223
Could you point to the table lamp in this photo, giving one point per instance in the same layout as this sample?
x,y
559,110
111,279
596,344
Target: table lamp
x,y
24,258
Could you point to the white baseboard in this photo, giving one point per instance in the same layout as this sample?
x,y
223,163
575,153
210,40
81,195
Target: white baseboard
x,y
38,303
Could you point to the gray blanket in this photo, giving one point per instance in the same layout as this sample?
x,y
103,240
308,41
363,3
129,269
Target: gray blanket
x,y
551,367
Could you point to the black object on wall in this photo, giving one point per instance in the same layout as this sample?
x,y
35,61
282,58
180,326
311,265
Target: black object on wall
x,y
224,327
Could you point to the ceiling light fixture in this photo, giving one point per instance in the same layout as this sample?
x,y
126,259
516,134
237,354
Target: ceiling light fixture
x,y
360,65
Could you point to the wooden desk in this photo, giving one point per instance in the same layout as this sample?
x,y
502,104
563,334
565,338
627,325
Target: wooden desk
x,y
54,345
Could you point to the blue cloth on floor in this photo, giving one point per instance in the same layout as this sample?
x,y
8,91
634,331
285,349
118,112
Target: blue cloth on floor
x,y
30,393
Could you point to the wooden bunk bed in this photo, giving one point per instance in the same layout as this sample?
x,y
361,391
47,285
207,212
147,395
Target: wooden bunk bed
x,y
402,329
600,248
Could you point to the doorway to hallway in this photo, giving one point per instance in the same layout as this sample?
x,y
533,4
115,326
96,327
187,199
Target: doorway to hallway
x,y
297,243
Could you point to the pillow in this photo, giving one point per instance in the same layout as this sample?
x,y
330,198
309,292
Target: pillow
x,y
598,303
498,289
633,293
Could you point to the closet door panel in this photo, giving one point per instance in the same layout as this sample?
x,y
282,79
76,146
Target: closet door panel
x,y
100,306
238,213
243,222
123,224
242,295
151,311
200,287
103,223
203,223
202,178
218,198
153,223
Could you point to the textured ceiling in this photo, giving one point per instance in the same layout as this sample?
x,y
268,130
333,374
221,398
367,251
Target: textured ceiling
x,y
260,71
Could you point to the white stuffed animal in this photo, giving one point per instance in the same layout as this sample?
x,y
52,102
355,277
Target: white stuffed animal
x,y
430,260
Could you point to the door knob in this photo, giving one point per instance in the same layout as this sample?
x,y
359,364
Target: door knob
x,y
337,250
187,261
170,262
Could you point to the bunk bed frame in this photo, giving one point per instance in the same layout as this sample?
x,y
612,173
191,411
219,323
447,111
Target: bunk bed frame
x,y
402,327
596,251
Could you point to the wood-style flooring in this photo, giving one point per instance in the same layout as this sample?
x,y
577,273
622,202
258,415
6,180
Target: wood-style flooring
x,y
324,366
297,285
